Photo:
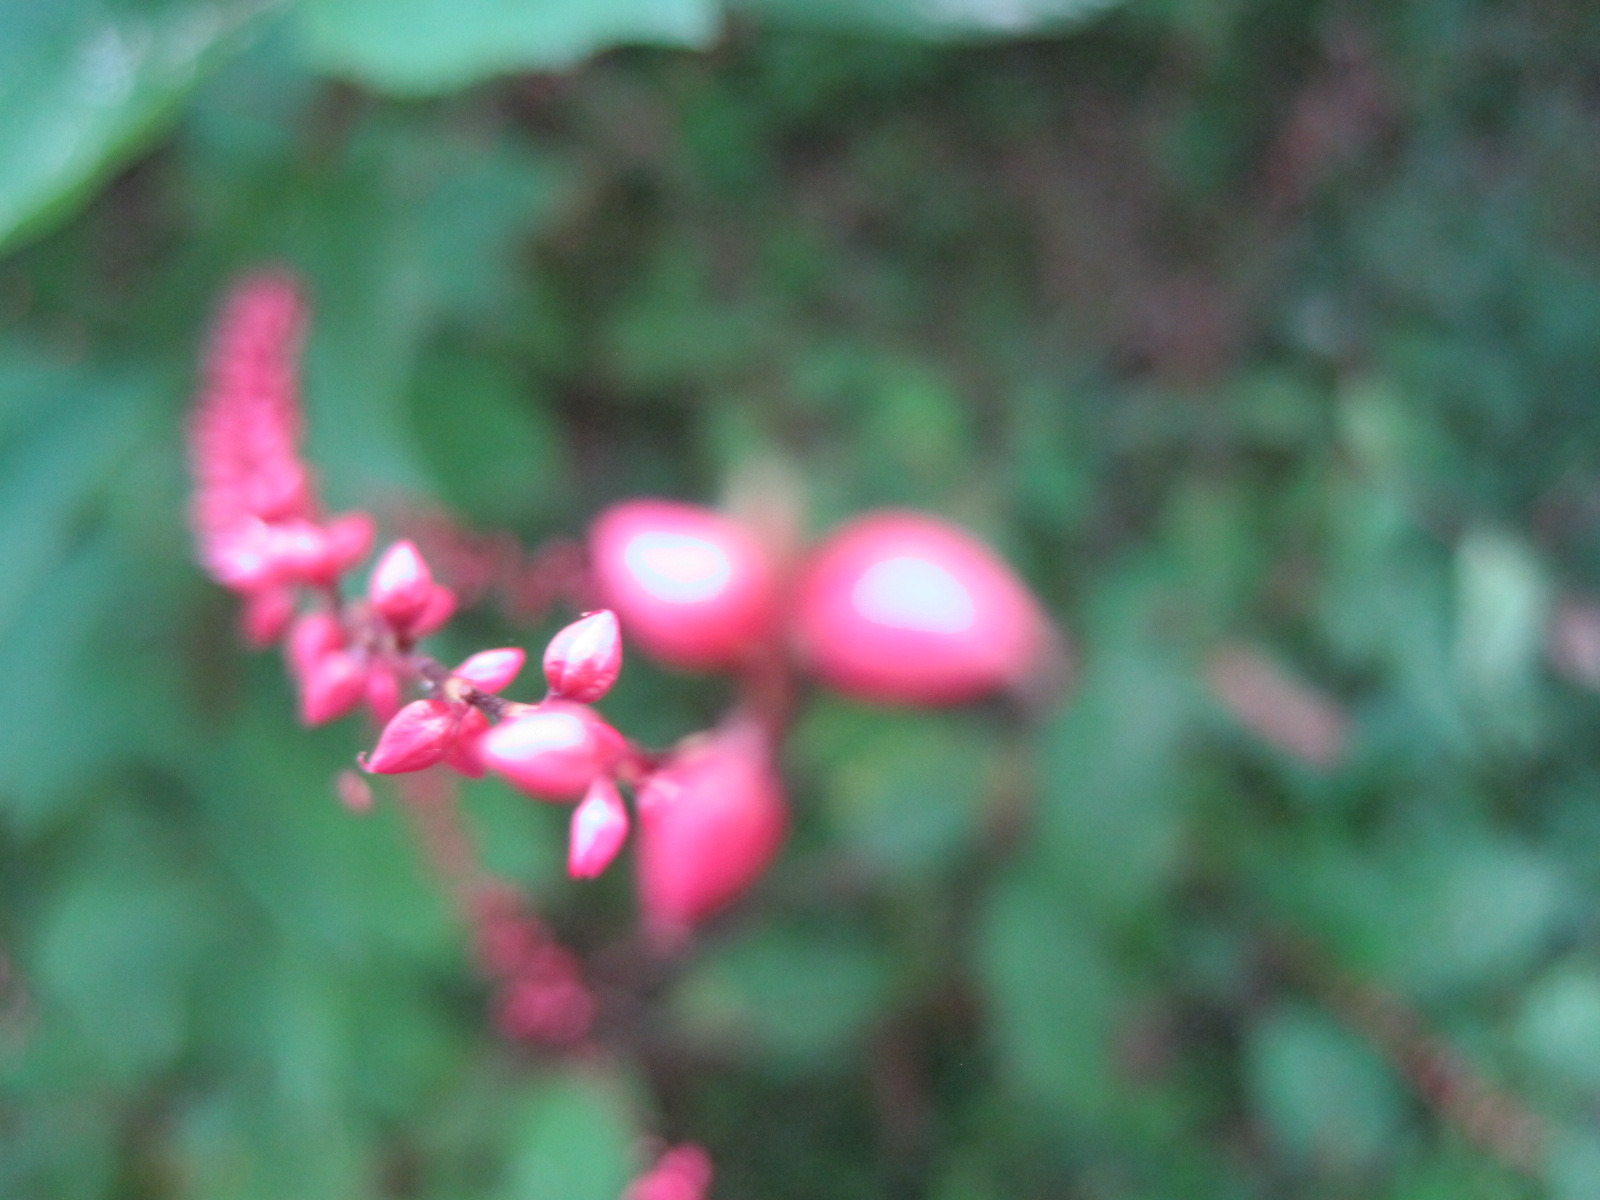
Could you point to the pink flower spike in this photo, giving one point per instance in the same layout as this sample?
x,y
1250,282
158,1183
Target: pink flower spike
x,y
401,585
312,638
491,670
266,615
584,659
553,752
349,539
332,686
466,754
419,736
441,607
599,827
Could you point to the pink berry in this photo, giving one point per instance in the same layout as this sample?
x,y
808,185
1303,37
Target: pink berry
x,y
331,687
900,607
692,586
419,736
401,585
710,821
599,827
553,751
491,670
584,659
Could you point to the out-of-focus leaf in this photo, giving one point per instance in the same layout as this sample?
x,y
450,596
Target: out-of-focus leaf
x,y
803,998
574,1140
1559,1027
85,83
420,46
1325,1095
932,18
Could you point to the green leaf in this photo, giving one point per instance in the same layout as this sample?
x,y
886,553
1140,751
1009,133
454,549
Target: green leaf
x,y
423,46
86,83
931,18
574,1141
1559,1027
1324,1095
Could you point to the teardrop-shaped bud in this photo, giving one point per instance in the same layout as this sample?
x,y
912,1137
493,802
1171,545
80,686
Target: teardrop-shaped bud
x,y
599,827
710,820
401,585
693,587
331,687
491,670
266,615
553,751
419,736
436,613
466,753
900,607
350,538
383,692
584,659
311,638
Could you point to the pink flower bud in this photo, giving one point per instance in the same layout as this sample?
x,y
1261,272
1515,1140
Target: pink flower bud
x,y
491,670
300,551
383,692
440,608
584,659
419,736
692,586
311,638
331,687
266,615
349,539
599,827
354,792
900,607
401,585
553,751
710,821
682,1173
466,755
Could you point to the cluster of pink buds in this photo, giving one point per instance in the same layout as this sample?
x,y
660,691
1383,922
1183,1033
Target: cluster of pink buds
x,y
255,513
539,991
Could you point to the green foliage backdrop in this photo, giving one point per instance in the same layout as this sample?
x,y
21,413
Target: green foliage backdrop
x,y
1263,336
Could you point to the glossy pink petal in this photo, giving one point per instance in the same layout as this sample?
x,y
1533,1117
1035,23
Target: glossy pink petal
x,y
419,736
584,659
491,670
599,827
552,752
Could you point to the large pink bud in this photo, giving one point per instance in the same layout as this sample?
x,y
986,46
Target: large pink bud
x,y
710,821
692,587
899,607
553,751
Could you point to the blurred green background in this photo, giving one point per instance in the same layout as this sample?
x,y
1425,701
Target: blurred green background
x,y
1263,336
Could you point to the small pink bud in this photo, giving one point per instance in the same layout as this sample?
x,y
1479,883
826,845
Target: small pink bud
x,y
311,638
599,827
466,754
584,659
383,692
419,736
682,1173
401,585
349,539
354,792
692,586
266,615
440,608
331,687
903,608
552,752
710,821
491,670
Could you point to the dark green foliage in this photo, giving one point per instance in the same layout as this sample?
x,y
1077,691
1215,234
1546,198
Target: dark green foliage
x,y
1263,337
